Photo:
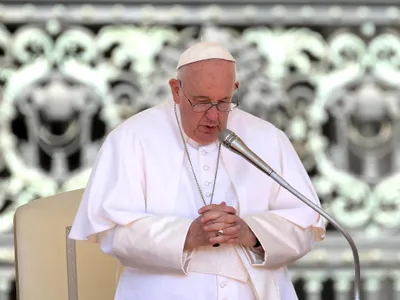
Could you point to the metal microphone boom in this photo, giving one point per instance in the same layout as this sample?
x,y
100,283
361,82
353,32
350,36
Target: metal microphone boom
x,y
231,141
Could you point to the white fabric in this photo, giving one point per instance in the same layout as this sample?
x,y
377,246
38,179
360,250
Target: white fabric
x,y
135,184
203,51
202,286
154,287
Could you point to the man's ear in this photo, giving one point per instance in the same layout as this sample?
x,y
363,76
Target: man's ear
x,y
175,89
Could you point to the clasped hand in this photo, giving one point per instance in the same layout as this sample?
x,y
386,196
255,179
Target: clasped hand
x,y
214,217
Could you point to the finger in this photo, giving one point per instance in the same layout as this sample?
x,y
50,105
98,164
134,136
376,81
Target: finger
x,y
216,226
210,235
226,218
207,207
211,215
232,241
222,239
216,207
231,231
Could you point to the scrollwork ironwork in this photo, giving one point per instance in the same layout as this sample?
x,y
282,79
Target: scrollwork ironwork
x,y
328,76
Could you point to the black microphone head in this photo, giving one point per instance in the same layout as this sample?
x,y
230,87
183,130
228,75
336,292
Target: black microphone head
x,y
226,137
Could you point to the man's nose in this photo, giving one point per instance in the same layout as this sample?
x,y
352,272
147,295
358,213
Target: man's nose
x,y
212,113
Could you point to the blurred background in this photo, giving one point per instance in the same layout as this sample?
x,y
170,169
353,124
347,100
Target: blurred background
x,y
326,72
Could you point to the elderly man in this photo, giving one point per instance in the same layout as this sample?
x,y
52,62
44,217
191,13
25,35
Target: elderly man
x,y
187,218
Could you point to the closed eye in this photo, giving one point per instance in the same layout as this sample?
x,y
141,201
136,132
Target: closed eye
x,y
201,99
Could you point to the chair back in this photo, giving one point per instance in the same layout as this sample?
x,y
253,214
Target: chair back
x,y
50,266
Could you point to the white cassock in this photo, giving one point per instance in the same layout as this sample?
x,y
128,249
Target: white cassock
x,y
141,199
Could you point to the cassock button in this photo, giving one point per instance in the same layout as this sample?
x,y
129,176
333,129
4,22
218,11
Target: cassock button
x,y
223,284
204,152
207,183
205,168
208,194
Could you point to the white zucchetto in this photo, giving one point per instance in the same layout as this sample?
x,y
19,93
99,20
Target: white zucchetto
x,y
203,51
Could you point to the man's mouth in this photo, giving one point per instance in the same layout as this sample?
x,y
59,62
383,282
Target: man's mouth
x,y
208,128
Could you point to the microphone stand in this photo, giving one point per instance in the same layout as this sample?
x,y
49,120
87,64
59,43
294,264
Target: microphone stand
x,y
357,281
231,141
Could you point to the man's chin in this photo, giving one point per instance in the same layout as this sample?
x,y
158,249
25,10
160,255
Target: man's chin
x,y
207,138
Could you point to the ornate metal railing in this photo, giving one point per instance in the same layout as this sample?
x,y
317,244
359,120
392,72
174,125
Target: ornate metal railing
x,y
327,74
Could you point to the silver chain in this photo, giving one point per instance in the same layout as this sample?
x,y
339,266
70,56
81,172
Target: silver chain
x,y
191,165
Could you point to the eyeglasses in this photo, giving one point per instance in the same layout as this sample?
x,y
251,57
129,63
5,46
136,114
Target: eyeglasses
x,y
222,106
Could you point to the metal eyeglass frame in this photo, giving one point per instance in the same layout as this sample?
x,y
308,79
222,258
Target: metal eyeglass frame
x,y
210,104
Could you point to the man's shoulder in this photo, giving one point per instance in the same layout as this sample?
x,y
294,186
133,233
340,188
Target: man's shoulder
x,y
145,122
257,132
250,124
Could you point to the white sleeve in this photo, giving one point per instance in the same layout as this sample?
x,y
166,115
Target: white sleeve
x,y
283,242
151,243
289,229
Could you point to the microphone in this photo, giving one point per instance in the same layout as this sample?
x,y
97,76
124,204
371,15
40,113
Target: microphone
x,y
231,141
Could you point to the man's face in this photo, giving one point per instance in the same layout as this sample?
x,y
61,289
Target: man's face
x,y
203,82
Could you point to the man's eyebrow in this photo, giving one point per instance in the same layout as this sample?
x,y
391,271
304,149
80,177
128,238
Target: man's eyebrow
x,y
207,98
201,97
